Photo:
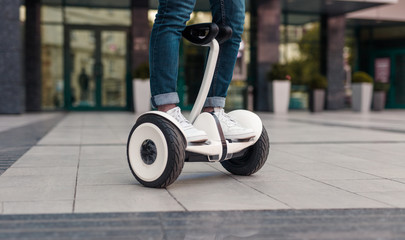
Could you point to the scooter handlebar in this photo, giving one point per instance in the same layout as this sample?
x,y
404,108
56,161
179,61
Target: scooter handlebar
x,y
201,34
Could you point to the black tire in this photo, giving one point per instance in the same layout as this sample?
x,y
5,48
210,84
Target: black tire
x,y
176,145
253,159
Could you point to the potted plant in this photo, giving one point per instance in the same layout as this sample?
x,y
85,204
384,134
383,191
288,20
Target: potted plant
x,y
279,88
362,89
141,88
379,95
317,86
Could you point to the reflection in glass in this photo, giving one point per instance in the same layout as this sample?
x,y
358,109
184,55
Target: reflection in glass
x,y
113,58
300,50
82,83
98,16
52,66
51,14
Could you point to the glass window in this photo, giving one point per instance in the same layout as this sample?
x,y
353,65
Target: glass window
x,y
51,14
98,16
52,66
300,51
389,33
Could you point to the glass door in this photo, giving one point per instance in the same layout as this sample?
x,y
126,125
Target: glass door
x,y
96,64
82,59
396,76
114,64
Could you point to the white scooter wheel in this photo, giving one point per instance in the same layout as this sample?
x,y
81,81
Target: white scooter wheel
x,y
253,159
155,151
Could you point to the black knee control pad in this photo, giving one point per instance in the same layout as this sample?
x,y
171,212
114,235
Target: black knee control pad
x,y
225,33
201,34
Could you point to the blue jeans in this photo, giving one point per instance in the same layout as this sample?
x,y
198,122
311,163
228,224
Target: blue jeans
x,y
165,39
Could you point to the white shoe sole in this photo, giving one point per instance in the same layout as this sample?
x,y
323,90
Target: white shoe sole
x,y
197,139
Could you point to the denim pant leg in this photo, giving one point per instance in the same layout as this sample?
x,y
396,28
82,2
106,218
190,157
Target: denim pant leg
x,y
231,13
165,39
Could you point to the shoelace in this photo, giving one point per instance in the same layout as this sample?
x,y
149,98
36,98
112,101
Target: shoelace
x,y
181,119
226,118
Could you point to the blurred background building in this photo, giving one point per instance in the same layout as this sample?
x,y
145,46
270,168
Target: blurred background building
x,y
82,54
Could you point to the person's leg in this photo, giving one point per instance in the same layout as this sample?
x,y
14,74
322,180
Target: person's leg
x,y
230,13
165,39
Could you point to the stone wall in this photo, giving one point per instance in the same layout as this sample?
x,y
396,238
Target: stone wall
x,y
12,99
334,62
265,42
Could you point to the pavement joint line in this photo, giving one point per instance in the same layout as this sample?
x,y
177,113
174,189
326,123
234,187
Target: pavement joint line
x,y
76,180
347,126
175,199
255,189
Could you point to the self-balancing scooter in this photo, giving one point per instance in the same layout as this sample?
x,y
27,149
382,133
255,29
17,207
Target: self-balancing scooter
x,y
157,147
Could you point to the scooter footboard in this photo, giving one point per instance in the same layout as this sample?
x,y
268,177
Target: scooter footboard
x,y
218,148
248,119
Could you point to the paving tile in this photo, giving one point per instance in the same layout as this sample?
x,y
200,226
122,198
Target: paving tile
x,y
106,179
103,152
402,180
130,204
132,197
311,194
38,180
217,191
395,199
48,171
104,169
100,136
37,193
270,173
36,207
114,161
62,136
370,185
387,172
335,173
51,161
49,156
191,167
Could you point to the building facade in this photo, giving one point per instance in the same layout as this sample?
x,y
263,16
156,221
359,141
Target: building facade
x,y
81,55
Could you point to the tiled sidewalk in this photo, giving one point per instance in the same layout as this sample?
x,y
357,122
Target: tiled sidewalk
x,y
328,160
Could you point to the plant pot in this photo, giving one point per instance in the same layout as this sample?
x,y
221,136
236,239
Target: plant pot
x,y
317,100
379,100
279,97
141,95
361,96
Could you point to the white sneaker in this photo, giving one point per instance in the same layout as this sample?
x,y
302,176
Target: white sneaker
x,y
231,128
192,134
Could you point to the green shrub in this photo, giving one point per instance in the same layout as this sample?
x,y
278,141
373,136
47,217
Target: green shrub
x,y
318,82
381,87
278,72
142,71
362,77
